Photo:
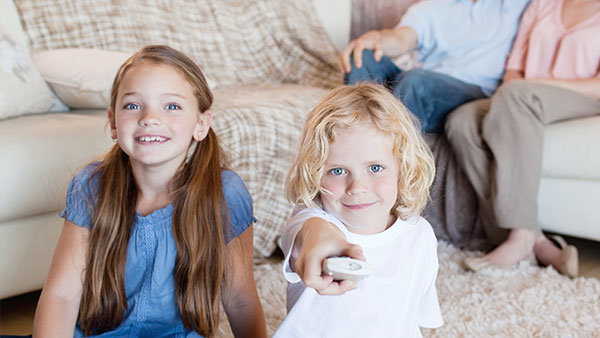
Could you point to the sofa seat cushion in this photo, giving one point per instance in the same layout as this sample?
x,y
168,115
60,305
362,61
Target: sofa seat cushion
x,y
40,153
260,127
571,149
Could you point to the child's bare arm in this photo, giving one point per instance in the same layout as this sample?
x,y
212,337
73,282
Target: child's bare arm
x,y
316,241
57,309
240,299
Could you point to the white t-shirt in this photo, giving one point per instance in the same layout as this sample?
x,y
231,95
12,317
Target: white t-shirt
x,y
394,301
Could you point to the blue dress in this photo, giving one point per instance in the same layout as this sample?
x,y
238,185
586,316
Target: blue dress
x,y
152,309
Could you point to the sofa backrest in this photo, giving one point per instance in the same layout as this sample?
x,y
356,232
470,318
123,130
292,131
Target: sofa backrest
x,y
235,41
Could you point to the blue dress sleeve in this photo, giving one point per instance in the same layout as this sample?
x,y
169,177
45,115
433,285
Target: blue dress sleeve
x,y
239,203
81,196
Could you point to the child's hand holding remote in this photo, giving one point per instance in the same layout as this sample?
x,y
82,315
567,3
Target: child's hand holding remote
x,y
310,259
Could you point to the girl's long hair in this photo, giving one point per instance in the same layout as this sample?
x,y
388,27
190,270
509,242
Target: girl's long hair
x,y
199,219
342,108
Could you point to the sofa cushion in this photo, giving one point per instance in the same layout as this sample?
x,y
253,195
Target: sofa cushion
x,y
40,153
80,77
272,41
22,88
571,149
259,127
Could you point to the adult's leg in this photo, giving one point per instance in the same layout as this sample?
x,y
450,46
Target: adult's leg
x,y
431,96
463,131
382,72
514,130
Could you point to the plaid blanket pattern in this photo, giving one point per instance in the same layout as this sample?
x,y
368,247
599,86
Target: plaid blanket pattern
x,y
235,41
259,128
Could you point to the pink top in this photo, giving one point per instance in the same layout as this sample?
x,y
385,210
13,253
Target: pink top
x,y
544,48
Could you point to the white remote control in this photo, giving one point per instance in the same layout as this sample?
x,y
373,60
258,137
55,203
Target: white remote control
x,y
341,268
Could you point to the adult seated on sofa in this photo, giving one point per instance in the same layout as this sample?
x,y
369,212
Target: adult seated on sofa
x,y
552,75
462,46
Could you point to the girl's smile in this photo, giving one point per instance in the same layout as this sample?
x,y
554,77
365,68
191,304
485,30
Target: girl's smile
x,y
151,139
358,206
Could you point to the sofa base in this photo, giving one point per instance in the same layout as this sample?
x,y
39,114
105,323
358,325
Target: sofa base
x,y
570,207
31,242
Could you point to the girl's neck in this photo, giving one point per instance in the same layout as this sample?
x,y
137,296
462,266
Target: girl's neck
x,y
153,186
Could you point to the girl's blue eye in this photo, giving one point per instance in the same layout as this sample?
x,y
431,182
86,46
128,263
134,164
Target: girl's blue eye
x,y
173,106
338,171
375,168
131,106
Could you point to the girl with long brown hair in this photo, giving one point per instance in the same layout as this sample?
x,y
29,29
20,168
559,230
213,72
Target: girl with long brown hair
x,y
157,234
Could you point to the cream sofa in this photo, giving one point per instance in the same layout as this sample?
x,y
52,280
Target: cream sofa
x,y
264,84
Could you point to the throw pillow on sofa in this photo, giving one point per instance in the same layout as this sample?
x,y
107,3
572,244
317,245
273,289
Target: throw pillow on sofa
x,y
80,77
22,88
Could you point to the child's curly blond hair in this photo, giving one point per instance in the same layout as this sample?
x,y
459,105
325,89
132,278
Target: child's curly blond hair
x,y
342,108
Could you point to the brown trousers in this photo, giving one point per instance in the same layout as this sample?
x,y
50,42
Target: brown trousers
x,y
498,143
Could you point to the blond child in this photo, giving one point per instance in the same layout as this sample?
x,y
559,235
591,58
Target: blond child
x,y
157,234
360,180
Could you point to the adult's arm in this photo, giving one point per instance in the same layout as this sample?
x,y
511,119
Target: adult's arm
x,y
58,307
240,299
388,42
316,241
518,53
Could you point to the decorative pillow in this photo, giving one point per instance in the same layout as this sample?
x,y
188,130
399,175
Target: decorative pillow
x,y
22,88
81,78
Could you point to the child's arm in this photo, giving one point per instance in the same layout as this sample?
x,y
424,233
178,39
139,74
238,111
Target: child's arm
x,y
57,309
316,241
240,298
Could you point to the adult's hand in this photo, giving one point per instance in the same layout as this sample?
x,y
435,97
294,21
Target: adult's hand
x,y
389,42
369,40
319,240
510,75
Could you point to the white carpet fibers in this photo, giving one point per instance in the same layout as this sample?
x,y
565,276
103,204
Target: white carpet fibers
x,y
523,301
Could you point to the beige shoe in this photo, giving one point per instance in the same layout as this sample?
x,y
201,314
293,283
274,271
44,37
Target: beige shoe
x,y
569,257
479,263
475,263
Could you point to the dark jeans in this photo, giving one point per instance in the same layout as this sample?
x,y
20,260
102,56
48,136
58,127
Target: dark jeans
x,y
430,96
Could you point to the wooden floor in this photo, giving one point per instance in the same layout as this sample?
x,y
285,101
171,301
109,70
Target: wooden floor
x,y
16,314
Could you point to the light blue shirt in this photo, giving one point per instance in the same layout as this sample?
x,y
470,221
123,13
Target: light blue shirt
x,y
468,41
152,309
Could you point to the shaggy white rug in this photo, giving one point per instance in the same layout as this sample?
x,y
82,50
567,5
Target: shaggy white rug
x,y
522,301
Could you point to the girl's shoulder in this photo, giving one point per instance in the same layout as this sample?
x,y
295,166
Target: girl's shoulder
x,y
85,173
239,203
233,186
81,196
86,180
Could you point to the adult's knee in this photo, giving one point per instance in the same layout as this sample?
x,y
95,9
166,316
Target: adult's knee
x,y
513,101
463,124
415,85
415,78
512,91
368,61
